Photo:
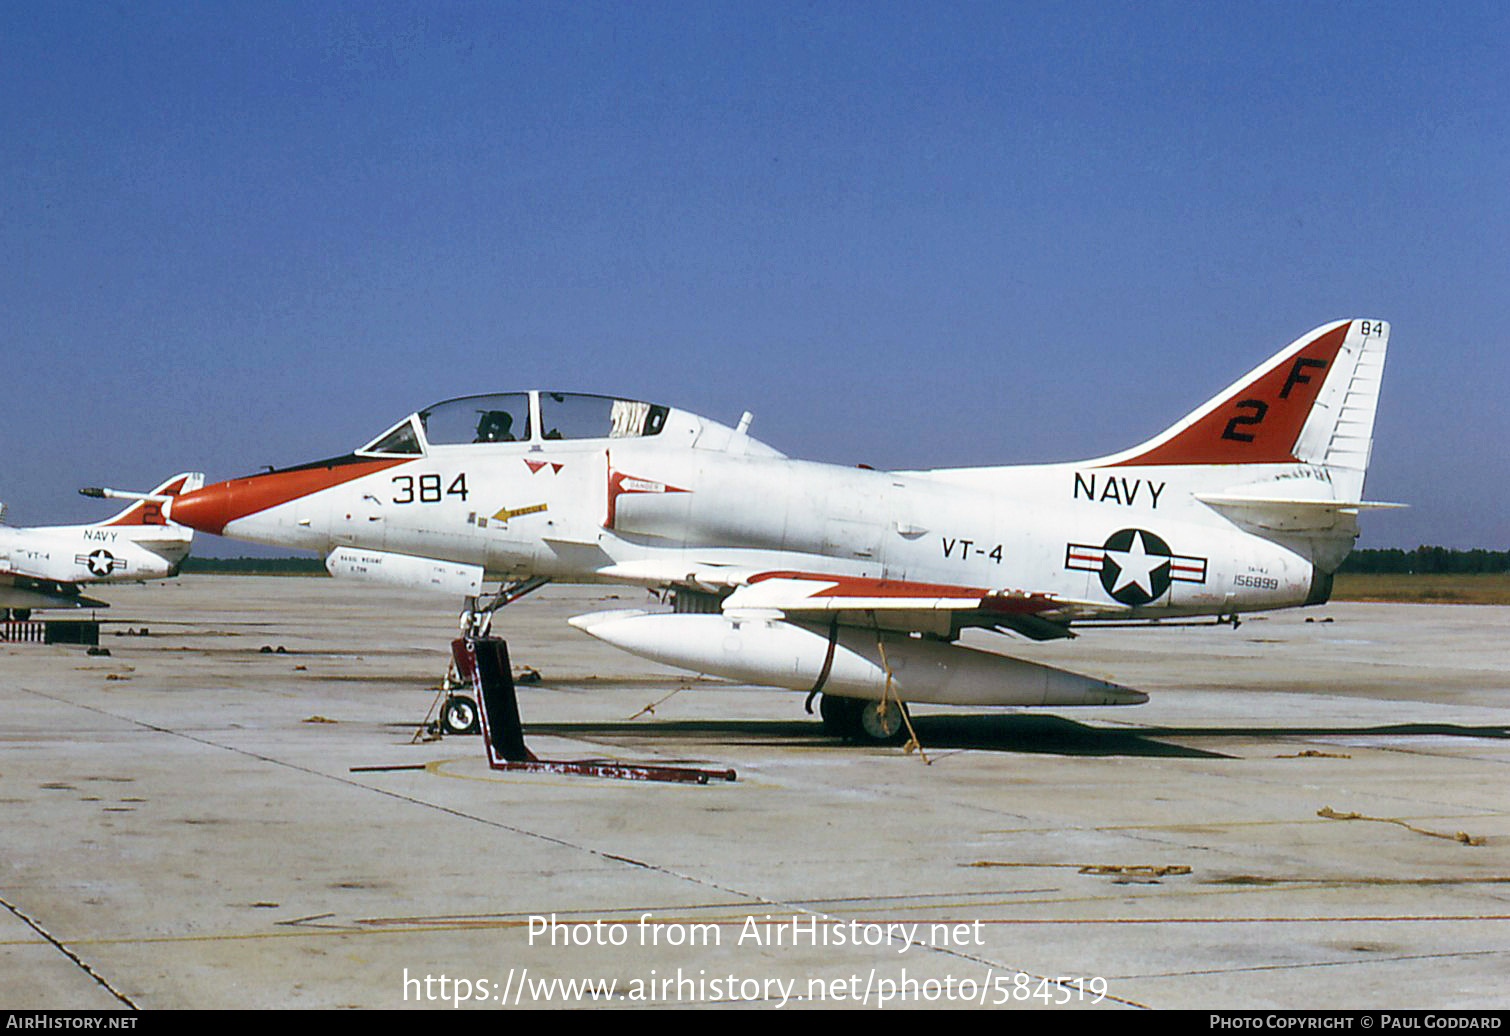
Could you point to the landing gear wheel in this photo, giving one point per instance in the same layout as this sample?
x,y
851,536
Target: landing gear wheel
x,y
459,715
865,722
841,716
882,723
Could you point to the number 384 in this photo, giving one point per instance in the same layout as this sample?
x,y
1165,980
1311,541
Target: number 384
x,y
425,489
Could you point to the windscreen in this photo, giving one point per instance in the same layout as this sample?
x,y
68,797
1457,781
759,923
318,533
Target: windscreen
x,y
401,440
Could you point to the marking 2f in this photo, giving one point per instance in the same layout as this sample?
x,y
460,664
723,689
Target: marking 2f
x,y
1303,371
1257,410
425,489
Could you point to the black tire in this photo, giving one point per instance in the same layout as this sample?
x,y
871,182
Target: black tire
x,y
881,723
864,722
841,716
459,715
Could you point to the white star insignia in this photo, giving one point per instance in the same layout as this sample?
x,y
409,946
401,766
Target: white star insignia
x,y
1135,566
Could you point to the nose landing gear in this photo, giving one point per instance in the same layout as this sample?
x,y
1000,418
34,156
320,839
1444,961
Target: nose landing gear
x,y
459,712
458,715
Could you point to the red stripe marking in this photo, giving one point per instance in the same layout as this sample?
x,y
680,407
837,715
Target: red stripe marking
x,y
859,586
616,489
212,508
898,589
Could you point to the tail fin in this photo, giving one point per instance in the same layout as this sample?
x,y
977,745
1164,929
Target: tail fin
x,y
1311,403
150,512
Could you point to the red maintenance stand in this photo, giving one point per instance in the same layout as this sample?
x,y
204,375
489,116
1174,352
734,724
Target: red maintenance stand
x,y
485,662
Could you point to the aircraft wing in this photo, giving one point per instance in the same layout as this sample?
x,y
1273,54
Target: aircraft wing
x,y
901,604
38,595
696,575
892,604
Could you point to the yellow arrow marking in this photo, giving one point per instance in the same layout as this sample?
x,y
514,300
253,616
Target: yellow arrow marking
x,y
505,514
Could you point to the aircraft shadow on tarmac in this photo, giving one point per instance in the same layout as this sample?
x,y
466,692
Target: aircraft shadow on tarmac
x,y
1035,735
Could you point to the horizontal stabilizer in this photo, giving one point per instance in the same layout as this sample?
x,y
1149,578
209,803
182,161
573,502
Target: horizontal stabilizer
x,y
1289,514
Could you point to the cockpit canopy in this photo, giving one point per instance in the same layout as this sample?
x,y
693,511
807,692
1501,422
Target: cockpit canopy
x,y
520,417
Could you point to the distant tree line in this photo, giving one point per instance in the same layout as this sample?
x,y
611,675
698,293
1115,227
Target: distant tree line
x,y
1424,560
255,566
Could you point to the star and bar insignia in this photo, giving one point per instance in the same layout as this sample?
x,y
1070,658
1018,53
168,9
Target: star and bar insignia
x,y
100,562
1135,565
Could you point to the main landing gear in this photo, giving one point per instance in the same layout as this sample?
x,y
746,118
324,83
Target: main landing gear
x,y
884,722
865,722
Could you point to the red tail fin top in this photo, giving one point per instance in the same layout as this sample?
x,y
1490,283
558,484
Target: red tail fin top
x,y
150,512
1256,421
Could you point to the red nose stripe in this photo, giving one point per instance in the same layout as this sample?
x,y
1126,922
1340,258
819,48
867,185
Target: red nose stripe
x,y
212,508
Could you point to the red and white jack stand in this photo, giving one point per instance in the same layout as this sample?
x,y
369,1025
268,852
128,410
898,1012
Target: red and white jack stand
x,y
484,661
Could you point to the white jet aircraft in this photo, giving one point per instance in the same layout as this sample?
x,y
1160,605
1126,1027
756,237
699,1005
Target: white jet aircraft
x,y
851,581
45,567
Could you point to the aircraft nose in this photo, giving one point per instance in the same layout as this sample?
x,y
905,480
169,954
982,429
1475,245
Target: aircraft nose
x,y
214,507
211,508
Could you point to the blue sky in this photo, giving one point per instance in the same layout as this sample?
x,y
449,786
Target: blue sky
x,y
907,235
